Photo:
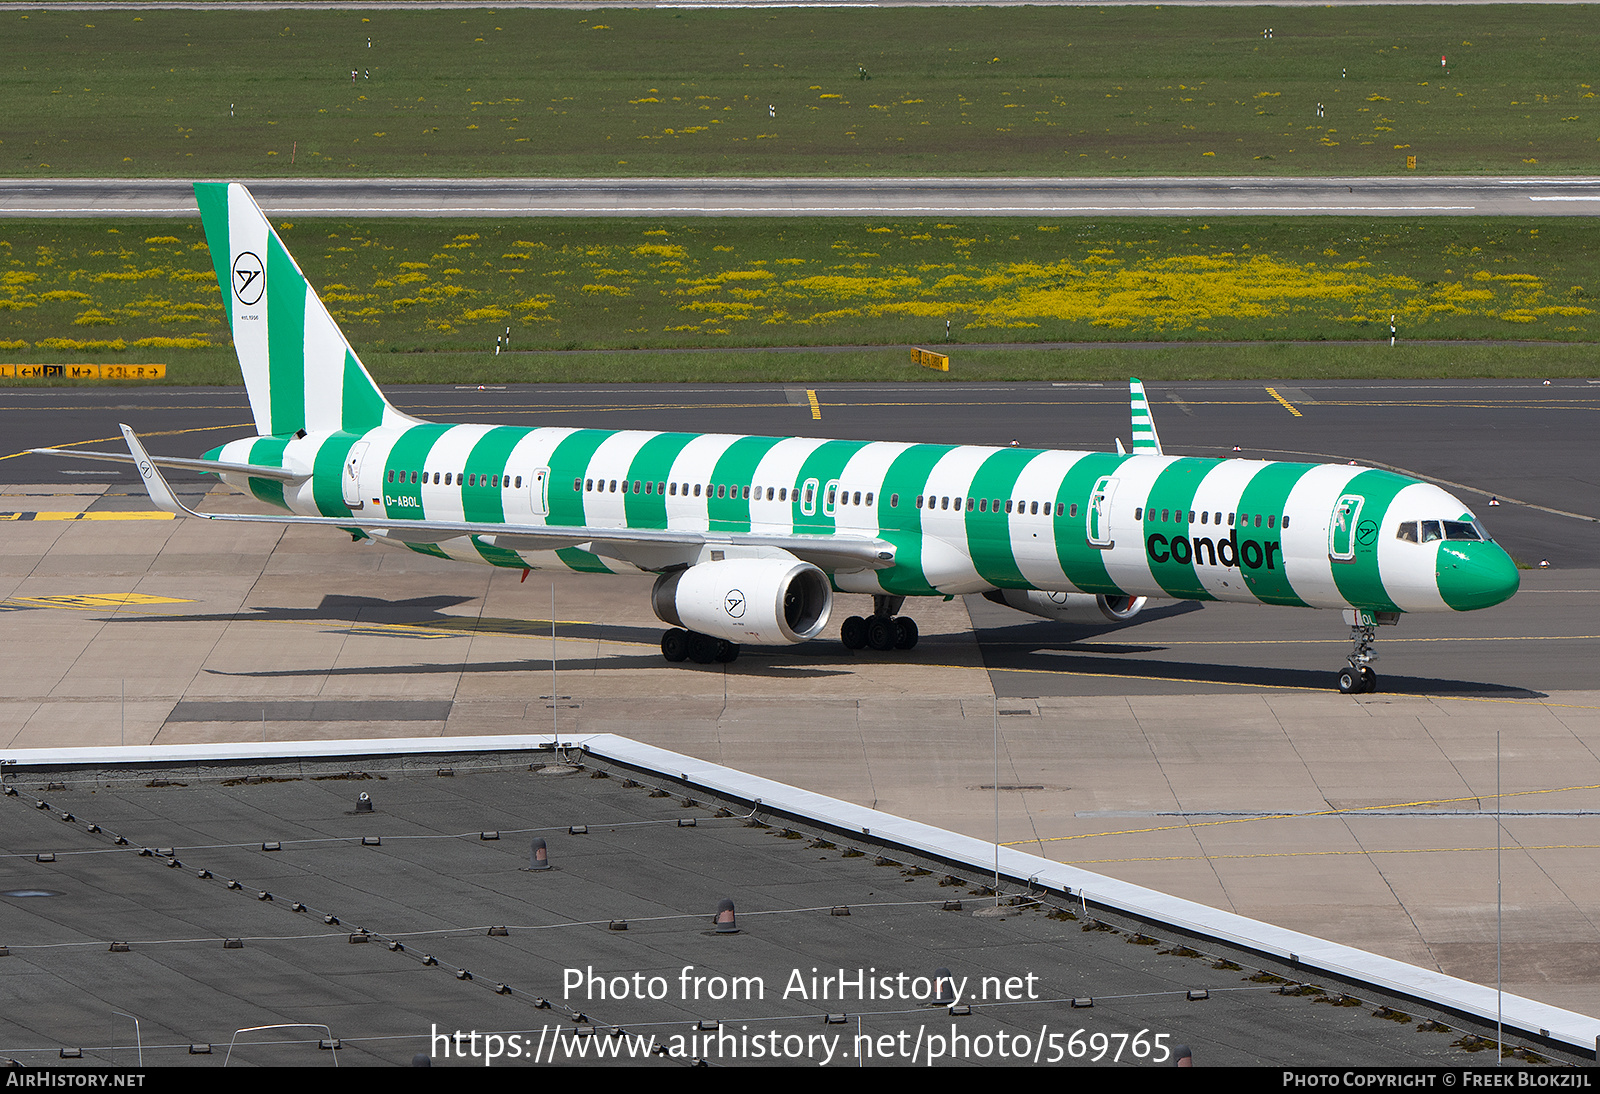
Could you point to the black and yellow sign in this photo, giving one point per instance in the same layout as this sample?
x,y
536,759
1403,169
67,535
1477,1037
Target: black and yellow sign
x,y
83,372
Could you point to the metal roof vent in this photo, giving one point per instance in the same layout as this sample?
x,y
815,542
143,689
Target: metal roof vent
x,y
944,993
725,920
233,943
364,803
538,855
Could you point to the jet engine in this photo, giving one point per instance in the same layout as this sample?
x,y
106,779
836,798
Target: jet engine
x,y
763,601
1070,607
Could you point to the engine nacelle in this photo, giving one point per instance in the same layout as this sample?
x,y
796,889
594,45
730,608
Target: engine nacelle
x,y
762,601
1070,607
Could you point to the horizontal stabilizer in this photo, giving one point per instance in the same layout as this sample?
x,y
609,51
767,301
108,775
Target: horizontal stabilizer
x,y
255,471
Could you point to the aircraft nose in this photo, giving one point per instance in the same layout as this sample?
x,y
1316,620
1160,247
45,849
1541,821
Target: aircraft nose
x,y
1476,575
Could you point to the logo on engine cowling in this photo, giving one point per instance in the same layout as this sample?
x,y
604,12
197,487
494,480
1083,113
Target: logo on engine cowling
x,y
733,604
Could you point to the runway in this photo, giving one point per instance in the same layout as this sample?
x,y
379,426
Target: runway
x,y
1403,196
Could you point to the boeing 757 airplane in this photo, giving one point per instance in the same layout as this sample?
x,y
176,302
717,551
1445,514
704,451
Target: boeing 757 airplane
x,y
751,537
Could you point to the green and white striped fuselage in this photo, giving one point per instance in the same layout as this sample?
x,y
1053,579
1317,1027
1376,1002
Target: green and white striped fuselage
x,y
960,519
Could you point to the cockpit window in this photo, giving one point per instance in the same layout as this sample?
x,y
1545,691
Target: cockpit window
x,y
1427,531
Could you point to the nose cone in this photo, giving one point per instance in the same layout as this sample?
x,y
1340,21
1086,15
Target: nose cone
x,y
1475,575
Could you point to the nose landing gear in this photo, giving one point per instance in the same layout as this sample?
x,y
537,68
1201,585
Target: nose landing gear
x,y
1358,678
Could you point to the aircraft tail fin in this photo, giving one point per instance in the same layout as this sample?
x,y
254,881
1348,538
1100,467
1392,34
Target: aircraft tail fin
x,y
299,370
1145,439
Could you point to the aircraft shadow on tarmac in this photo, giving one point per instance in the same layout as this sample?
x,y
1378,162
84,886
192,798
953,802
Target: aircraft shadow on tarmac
x,y
1044,647
1052,649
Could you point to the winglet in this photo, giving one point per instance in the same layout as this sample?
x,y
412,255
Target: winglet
x,y
1145,440
155,483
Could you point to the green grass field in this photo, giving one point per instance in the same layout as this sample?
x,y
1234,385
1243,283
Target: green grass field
x,y
146,289
1016,91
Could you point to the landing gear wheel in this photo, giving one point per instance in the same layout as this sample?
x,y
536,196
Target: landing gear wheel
x,y
881,633
727,652
905,633
1369,680
675,644
702,648
853,633
1349,681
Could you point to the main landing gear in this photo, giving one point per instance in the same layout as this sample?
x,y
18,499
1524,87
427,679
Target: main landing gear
x,y
1358,678
882,630
681,645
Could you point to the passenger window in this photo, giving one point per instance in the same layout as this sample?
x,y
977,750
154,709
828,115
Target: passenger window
x,y
697,490
783,493
436,478
391,476
1138,514
1074,511
983,505
1033,510
894,501
1047,509
919,501
869,499
858,498
746,493
1286,520
944,502
1270,519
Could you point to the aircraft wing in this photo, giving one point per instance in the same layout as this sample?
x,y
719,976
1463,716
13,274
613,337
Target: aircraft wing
x,y
650,549
254,470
